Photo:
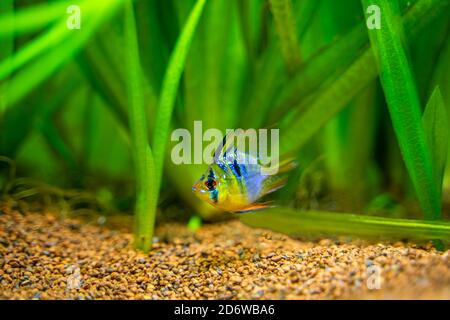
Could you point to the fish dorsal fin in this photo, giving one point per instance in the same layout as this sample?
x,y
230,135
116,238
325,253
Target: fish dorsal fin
x,y
224,146
239,150
283,166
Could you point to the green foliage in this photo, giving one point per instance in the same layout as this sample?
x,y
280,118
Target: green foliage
x,y
334,96
29,19
50,60
330,100
146,189
170,86
320,223
6,50
404,105
284,21
79,108
99,71
435,123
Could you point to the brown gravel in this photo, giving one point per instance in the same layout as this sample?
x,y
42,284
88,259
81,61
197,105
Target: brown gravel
x,y
43,257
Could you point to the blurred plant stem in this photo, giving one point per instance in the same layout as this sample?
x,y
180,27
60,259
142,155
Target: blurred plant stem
x,y
146,189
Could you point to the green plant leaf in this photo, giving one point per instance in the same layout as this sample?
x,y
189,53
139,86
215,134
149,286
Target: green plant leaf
x,y
170,88
98,70
154,47
204,74
327,63
331,99
252,16
32,18
6,51
146,189
17,123
306,10
40,69
342,52
335,94
52,37
285,25
404,105
435,123
267,79
59,146
319,223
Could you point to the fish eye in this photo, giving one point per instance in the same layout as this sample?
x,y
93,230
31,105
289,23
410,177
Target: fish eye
x,y
210,184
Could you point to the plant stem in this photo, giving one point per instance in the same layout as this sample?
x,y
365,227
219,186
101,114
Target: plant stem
x,y
145,207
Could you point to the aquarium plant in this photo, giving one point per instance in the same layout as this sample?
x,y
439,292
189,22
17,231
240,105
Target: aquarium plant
x,y
91,91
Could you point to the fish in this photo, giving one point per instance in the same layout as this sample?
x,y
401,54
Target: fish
x,y
237,186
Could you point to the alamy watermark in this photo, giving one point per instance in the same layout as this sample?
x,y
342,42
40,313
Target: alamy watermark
x,y
374,17
73,21
74,280
373,273
257,150
250,146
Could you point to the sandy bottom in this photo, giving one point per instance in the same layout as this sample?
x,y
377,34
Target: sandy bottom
x,y
44,257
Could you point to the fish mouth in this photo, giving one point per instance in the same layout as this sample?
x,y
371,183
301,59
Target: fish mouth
x,y
196,187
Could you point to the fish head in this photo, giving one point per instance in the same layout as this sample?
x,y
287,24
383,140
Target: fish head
x,y
207,188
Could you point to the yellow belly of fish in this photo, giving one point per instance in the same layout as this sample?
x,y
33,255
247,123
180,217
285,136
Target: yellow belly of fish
x,y
236,203
233,200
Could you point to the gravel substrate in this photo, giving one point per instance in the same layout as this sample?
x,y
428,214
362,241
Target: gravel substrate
x,y
43,257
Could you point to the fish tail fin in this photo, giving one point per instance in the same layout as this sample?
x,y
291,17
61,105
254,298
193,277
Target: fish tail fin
x,y
281,167
256,206
287,165
274,182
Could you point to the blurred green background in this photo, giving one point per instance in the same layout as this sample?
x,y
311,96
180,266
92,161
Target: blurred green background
x,y
86,114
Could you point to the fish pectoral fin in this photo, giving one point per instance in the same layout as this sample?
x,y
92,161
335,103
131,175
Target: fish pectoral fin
x,y
273,184
284,166
256,206
279,180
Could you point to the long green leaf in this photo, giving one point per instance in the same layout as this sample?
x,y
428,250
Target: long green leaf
x,y
301,223
252,16
404,105
152,44
170,88
285,25
48,40
441,77
267,79
334,96
99,73
32,18
6,51
17,123
435,123
318,68
59,146
343,52
204,72
331,100
43,67
146,192
306,10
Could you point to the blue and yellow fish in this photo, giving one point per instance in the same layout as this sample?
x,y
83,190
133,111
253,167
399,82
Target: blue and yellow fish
x,y
232,186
